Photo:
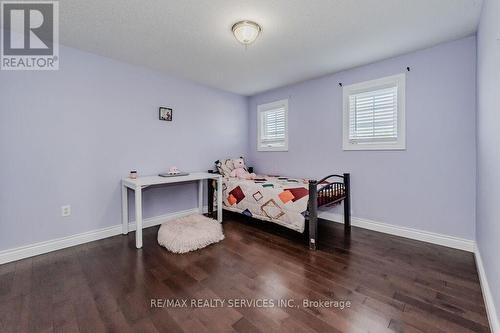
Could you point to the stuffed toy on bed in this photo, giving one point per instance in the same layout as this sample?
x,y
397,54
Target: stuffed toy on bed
x,y
239,170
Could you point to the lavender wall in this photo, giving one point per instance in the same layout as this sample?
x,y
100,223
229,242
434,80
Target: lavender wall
x,y
488,139
431,185
69,136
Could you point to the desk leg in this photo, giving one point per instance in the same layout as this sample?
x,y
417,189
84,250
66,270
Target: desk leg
x,y
200,196
219,199
138,217
124,210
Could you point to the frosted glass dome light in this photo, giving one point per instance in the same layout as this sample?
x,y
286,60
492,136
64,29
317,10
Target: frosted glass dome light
x,y
246,32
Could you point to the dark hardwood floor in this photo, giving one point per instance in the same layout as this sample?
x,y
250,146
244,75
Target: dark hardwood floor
x,y
393,284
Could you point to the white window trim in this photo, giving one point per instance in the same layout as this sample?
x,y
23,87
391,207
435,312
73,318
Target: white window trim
x,y
266,107
400,81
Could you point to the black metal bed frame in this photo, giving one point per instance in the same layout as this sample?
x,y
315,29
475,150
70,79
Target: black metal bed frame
x,y
331,194
328,195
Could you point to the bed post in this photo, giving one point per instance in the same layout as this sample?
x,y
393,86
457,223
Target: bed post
x,y
210,194
347,203
313,213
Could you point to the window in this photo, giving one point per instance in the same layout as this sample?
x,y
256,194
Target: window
x,y
272,129
374,114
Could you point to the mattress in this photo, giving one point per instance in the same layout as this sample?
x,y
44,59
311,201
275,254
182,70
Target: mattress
x,y
280,200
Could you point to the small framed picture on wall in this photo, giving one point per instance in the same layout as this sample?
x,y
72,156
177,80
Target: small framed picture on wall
x,y
165,113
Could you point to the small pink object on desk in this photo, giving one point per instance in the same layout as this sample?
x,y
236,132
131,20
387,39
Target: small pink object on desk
x,y
173,170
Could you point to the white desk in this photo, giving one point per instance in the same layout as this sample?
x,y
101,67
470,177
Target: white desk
x,y
137,185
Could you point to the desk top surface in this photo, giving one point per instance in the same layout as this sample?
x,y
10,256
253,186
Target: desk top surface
x,y
156,180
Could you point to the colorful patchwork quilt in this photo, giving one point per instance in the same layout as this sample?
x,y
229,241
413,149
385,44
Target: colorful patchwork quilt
x,y
277,199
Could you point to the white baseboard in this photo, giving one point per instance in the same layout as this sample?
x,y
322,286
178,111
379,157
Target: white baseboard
x,y
425,236
57,244
487,295
85,237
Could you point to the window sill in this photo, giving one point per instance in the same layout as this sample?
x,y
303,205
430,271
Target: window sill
x,y
272,148
347,147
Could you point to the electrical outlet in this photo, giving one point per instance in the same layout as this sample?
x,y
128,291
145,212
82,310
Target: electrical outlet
x,y
66,210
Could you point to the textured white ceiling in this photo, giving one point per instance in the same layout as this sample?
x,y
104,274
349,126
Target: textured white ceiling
x,y
301,39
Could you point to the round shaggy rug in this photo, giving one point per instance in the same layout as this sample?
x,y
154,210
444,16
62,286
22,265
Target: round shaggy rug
x,y
189,233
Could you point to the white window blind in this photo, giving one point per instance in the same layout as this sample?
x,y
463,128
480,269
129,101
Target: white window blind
x,y
273,125
373,116
272,131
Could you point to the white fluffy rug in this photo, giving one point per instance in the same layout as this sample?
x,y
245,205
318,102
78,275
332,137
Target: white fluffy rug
x,y
189,233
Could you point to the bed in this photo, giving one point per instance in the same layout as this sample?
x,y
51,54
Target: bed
x,y
290,202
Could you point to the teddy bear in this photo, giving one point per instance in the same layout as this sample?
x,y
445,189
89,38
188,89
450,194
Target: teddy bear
x,y
239,170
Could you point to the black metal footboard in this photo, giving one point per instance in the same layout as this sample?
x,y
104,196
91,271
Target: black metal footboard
x,y
323,193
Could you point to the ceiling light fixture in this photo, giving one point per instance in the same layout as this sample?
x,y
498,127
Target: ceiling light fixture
x,y
246,32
